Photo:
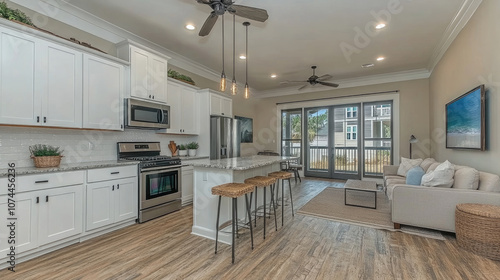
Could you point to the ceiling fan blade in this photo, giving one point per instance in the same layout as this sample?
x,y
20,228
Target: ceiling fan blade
x,y
324,77
208,25
328,84
303,87
249,12
203,1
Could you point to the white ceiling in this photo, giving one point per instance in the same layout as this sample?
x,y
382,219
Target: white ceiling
x,y
297,34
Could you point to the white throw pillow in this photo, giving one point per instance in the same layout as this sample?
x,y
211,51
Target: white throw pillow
x,y
407,164
426,163
466,178
441,177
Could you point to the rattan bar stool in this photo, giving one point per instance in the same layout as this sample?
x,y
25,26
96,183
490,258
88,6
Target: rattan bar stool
x,y
264,182
233,190
283,175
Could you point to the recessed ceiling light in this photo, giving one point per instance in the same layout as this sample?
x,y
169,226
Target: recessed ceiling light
x,y
243,57
368,65
190,27
380,58
380,25
274,76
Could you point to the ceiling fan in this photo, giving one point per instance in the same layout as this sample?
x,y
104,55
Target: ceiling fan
x,y
221,6
313,80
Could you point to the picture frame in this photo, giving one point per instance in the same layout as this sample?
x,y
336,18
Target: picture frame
x,y
245,129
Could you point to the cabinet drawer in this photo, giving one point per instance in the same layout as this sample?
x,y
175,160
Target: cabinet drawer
x,y
48,180
111,173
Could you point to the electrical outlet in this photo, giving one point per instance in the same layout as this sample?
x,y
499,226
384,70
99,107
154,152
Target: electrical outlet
x,y
91,146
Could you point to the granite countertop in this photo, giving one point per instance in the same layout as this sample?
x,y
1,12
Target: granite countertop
x,y
67,167
185,158
238,163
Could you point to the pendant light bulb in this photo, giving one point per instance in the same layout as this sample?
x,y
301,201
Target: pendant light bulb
x,y
247,89
247,92
223,75
234,88
223,82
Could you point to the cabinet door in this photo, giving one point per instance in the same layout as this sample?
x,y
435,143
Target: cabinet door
x,y
19,103
100,205
61,213
139,73
62,90
187,181
102,96
227,107
26,235
158,78
190,111
215,105
126,200
176,111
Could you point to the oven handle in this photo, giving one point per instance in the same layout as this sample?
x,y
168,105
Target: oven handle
x,y
161,168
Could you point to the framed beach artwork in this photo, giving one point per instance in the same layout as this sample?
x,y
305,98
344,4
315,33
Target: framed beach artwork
x,y
245,126
465,121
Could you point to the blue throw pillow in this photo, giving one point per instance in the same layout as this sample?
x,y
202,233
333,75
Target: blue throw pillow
x,y
414,176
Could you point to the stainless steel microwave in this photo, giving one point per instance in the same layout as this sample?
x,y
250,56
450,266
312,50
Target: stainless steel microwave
x,y
143,114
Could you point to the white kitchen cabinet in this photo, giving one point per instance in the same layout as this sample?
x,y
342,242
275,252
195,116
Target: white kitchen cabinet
x,y
103,82
148,72
221,105
40,82
184,109
187,184
112,196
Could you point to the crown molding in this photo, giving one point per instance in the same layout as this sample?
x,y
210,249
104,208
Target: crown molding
x,y
463,16
69,14
353,82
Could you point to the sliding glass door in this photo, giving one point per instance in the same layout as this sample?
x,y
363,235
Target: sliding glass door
x,y
317,142
378,140
291,133
346,142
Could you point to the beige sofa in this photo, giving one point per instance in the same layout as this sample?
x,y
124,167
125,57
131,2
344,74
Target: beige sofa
x,y
434,207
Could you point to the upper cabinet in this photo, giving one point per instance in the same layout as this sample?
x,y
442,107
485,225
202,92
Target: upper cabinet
x,y
184,109
103,82
220,105
148,71
40,82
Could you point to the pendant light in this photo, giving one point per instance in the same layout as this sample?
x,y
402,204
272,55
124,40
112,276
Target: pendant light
x,y
223,75
247,89
234,87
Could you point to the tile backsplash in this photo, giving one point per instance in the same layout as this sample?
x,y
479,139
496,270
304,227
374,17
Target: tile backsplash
x,y
78,145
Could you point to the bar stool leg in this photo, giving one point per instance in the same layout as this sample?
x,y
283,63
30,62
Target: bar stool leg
x,y
236,211
264,212
282,201
255,213
291,199
274,205
249,215
277,190
234,226
217,225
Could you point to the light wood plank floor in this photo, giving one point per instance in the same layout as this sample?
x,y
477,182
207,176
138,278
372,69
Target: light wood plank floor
x,y
305,248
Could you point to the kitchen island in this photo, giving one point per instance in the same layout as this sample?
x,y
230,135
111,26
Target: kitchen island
x,y
210,173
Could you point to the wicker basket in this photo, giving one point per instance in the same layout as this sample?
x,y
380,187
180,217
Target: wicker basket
x,y
48,161
477,229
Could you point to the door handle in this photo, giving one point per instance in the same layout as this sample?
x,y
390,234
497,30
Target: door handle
x,y
116,172
113,188
43,181
37,199
44,119
47,198
37,119
117,186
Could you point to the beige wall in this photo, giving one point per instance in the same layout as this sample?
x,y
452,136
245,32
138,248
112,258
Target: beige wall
x,y
472,59
414,113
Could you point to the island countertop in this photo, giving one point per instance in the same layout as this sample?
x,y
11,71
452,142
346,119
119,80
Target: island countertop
x,y
238,163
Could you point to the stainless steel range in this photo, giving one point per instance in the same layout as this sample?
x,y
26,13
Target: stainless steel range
x,y
159,182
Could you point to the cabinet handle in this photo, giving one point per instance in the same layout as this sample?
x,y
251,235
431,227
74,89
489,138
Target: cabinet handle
x,y
118,186
223,114
153,97
37,119
150,96
47,198
113,188
116,172
37,199
45,119
43,181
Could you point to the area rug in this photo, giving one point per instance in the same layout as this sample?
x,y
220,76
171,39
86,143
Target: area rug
x,y
329,204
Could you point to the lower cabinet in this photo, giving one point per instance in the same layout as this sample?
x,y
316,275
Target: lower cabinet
x,y
187,184
110,202
43,217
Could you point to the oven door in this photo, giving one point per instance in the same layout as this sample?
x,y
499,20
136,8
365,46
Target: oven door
x,y
160,185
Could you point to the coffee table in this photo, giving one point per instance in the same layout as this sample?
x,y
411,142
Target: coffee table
x,y
360,186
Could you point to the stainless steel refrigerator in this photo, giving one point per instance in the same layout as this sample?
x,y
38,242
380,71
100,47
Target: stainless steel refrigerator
x,y
224,138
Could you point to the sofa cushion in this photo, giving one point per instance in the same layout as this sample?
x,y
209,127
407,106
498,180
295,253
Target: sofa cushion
x,y
407,164
466,178
489,182
390,185
414,176
441,177
393,177
426,163
432,167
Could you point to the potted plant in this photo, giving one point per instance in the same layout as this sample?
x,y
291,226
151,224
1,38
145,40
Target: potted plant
x,y
178,76
14,15
45,155
192,147
182,150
